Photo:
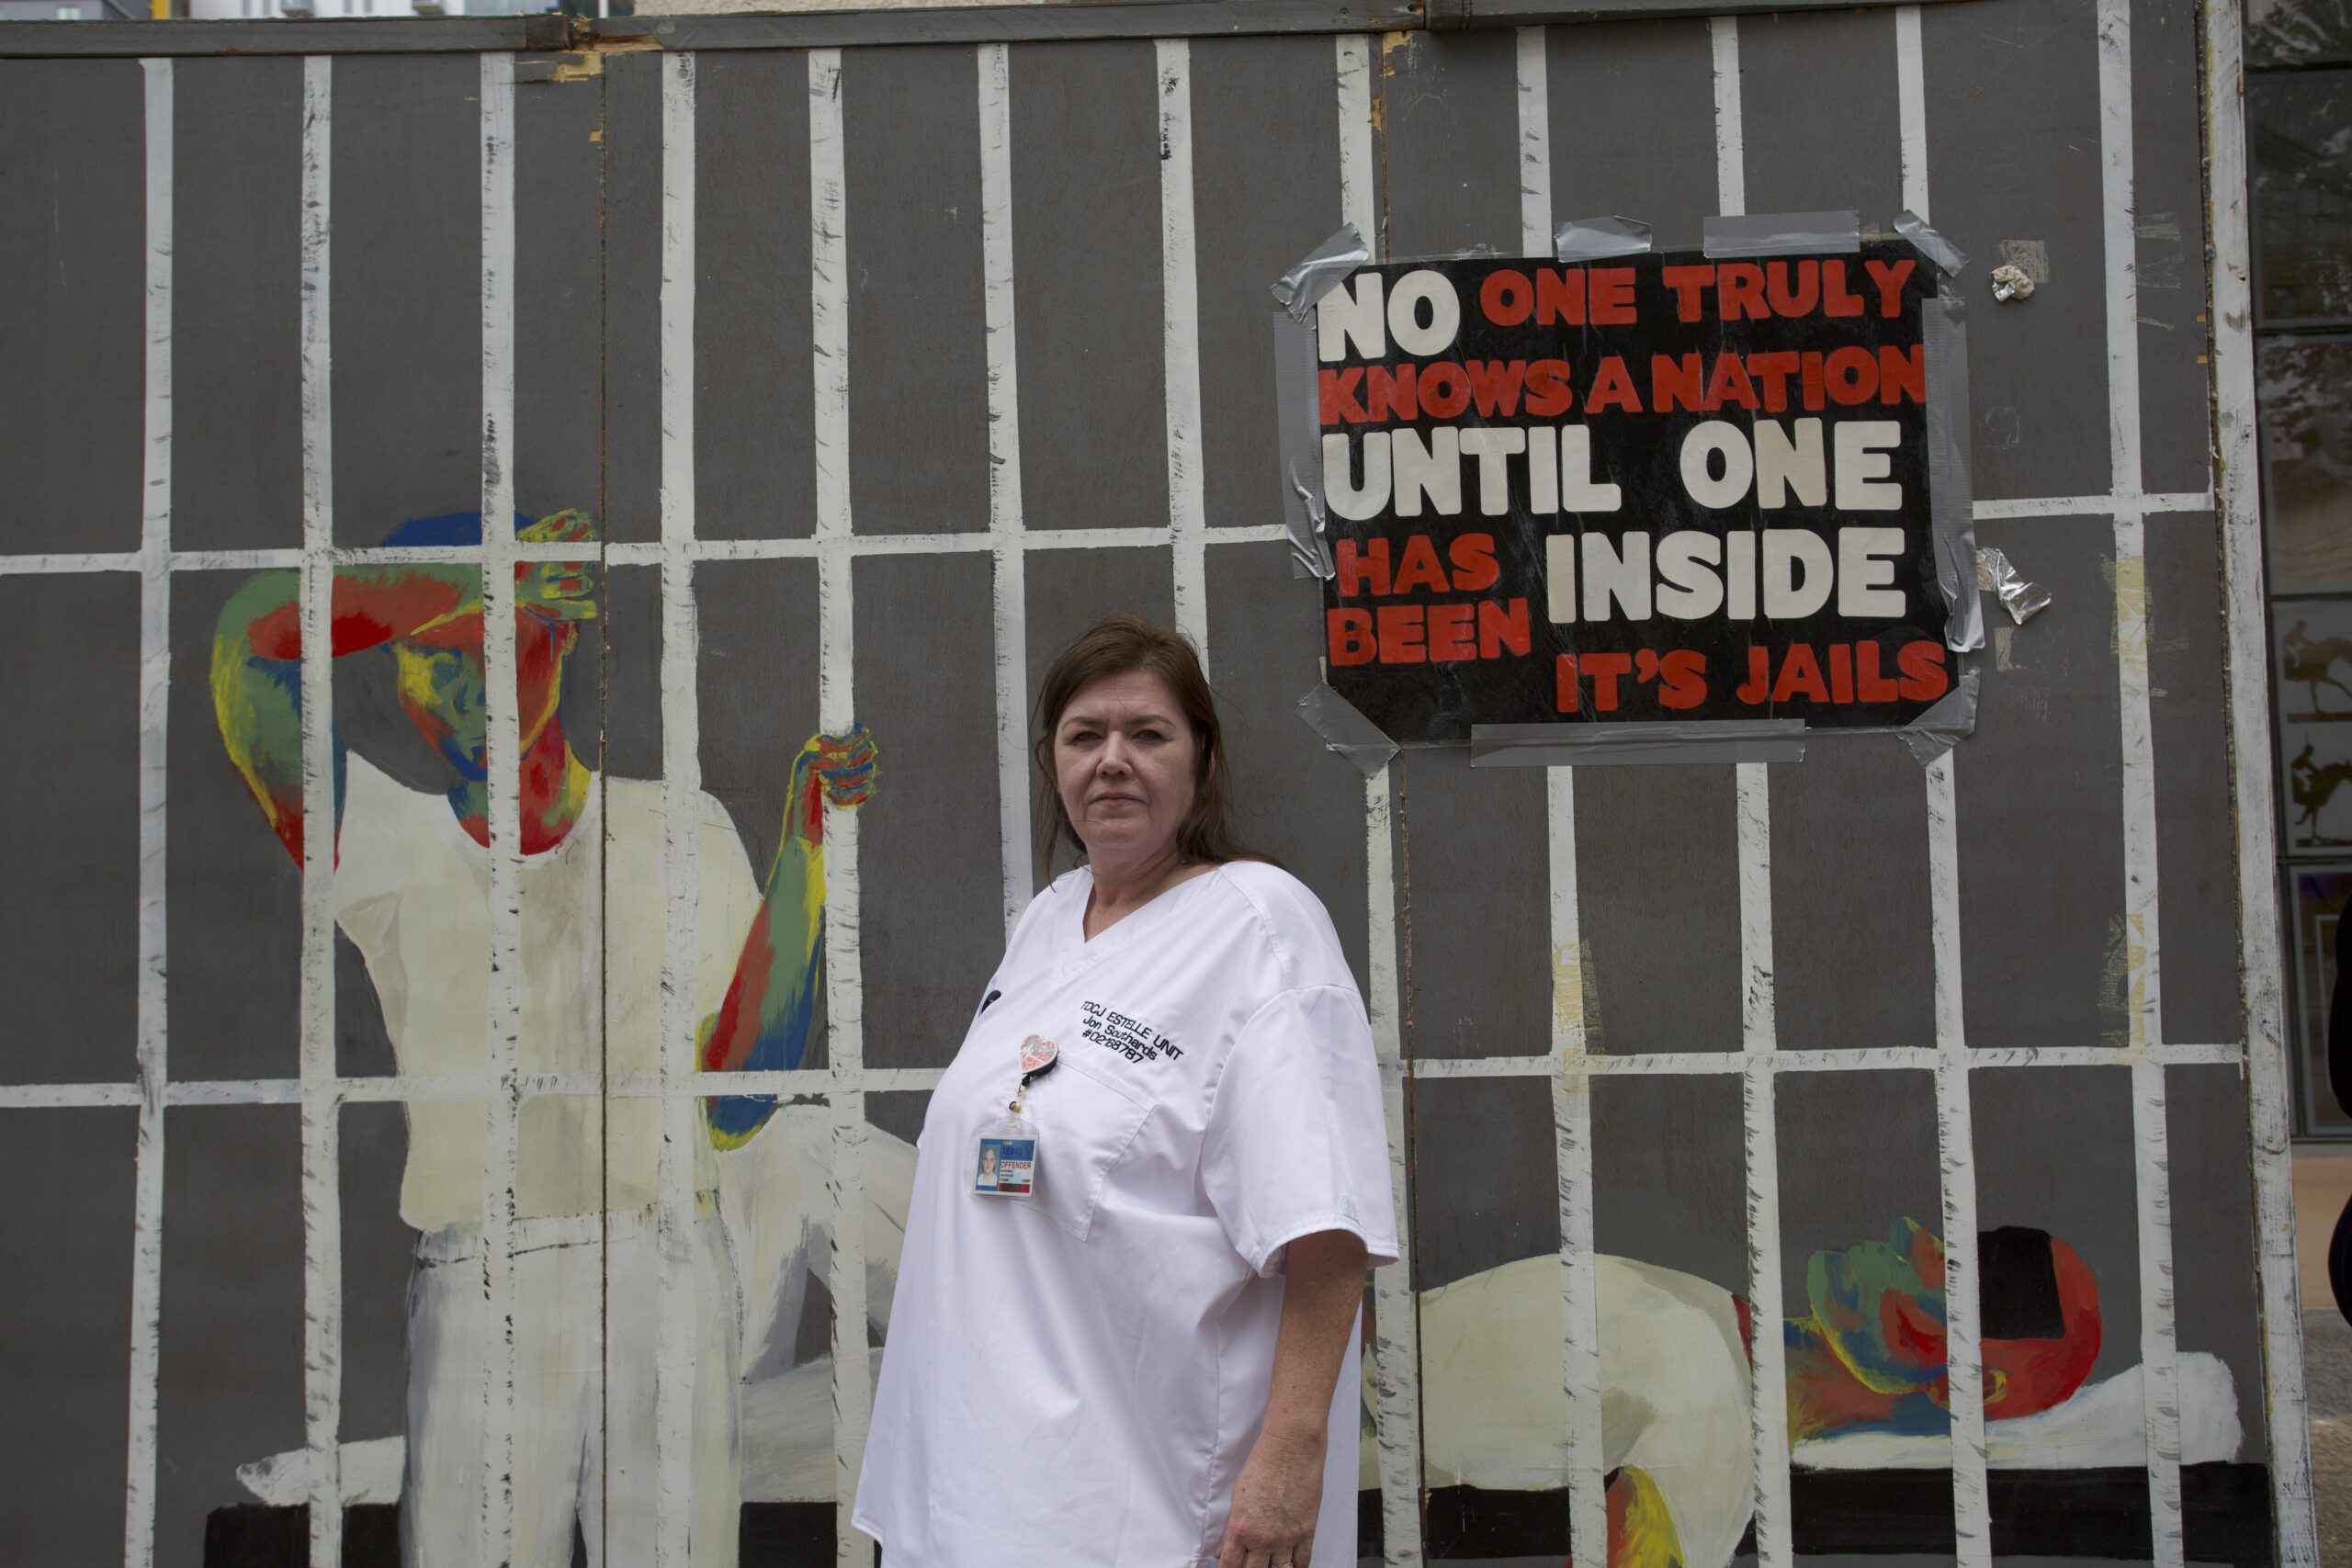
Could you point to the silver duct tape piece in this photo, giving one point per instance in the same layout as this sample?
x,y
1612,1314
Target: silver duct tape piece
x,y
1583,745
2022,599
1597,239
1783,234
1950,483
1947,256
1299,427
1319,271
1939,728
1345,730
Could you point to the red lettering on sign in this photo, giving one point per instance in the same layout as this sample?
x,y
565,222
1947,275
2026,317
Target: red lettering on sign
x,y
1853,374
1506,296
1841,672
1687,282
1350,636
1837,299
1605,670
1792,287
1773,370
1613,387
1890,276
1608,297
1559,298
1756,687
1869,684
1451,639
1922,663
1494,384
1389,392
1502,627
1359,563
1339,389
1800,676
1420,568
1902,373
1682,679
1729,384
1472,556
1739,292
1547,388
1675,383
1445,391
1400,635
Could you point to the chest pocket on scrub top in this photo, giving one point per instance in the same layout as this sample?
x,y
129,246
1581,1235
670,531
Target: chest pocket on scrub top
x,y
1087,1121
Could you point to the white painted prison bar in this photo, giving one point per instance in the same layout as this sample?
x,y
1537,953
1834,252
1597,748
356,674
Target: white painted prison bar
x,y
321,1110
1955,1121
1396,1345
319,1092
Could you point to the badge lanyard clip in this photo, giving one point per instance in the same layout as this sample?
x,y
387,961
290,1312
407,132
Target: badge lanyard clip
x,y
1005,1164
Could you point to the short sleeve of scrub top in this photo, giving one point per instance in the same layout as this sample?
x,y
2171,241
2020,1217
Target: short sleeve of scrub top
x,y
1077,1378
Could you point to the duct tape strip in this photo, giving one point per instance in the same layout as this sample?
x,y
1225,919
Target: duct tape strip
x,y
2022,599
1582,745
1597,239
1345,730
1319,271
1944,332
1947,256
1783,233
1939,728
1299,424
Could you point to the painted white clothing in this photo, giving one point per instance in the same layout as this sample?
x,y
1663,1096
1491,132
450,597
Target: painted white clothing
x,y
412,890
1077,1377
583,1446
1674,1391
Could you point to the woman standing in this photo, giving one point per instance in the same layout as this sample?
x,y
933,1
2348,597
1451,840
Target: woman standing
x,y
1128,1352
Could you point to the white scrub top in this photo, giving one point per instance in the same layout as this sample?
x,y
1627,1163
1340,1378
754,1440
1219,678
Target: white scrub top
x,y
1076,1379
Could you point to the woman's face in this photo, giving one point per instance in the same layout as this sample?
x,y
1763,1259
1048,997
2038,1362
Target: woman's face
x,y
1123,759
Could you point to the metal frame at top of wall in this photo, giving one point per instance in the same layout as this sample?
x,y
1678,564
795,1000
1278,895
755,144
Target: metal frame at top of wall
x,y
1044,21
1566,1060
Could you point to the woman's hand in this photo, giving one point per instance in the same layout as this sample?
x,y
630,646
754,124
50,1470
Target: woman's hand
x,y
1275,1500
1280,1489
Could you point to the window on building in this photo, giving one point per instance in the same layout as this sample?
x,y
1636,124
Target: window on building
x,y
69,12
2298,136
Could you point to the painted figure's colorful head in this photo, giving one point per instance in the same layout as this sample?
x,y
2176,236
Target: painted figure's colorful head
x,y
1881,1304
442,681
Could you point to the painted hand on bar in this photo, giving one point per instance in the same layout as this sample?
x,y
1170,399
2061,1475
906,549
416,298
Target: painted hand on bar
x,y
765,1022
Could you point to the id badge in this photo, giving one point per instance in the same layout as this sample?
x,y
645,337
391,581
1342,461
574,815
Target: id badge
x,y
1005,1163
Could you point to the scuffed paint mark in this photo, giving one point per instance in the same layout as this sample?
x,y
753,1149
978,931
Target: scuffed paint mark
x,y
1568,989
587,63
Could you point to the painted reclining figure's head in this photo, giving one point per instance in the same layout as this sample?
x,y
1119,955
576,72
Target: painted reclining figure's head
x,y
1880,1308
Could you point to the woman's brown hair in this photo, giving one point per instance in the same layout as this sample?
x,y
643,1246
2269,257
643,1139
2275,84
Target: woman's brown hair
x,y
1121,645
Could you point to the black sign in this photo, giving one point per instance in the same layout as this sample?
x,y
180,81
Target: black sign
x,y
1662,488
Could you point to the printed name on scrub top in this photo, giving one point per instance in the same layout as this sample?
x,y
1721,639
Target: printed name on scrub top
x,y
1125,1036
